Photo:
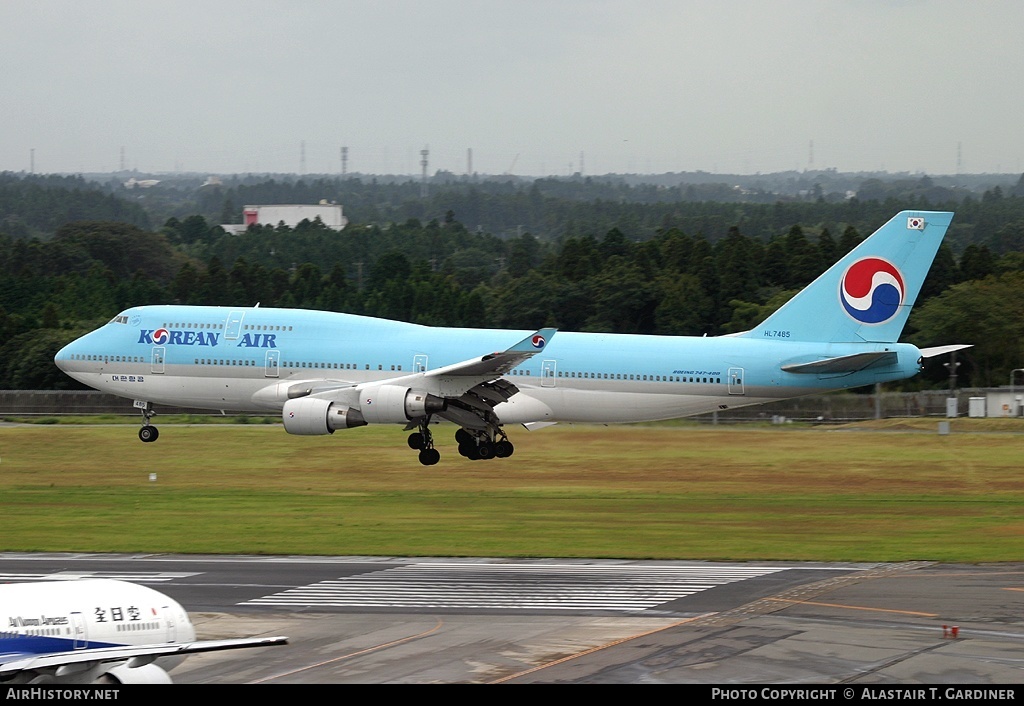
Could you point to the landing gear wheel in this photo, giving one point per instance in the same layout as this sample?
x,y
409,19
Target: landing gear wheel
x,y
485,450
503,449
148,432
464,437
423,440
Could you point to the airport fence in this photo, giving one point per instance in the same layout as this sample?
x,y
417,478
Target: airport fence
x,y
834,408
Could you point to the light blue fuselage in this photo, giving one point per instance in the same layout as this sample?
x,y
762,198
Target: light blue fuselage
x,y
222,358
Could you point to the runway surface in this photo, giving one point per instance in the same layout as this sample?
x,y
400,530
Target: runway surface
x,y
382,620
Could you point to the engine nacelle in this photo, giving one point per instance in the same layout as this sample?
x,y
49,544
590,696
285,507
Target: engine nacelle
x,y
146,674
312,415
395,404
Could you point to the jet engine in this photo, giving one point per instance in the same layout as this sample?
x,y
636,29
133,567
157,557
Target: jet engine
x,y
395,404
146,674
313,415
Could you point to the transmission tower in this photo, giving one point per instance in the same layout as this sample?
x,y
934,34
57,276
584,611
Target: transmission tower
x,y
424,153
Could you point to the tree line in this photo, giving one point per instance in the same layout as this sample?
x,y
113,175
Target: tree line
x,y
677,282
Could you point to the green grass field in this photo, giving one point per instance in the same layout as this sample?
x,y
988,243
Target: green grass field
x,y
682,491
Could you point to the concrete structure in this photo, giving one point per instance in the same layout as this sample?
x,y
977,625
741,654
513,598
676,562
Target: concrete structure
x,y
291,215
1004,403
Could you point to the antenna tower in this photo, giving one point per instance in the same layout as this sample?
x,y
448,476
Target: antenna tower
x,y
344,161
424,153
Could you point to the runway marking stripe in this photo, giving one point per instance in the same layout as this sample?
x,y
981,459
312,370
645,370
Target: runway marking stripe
x,y
134,576
855,607
505,586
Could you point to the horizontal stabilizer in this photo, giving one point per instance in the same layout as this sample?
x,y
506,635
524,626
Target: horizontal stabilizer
x,y
843,363
942,350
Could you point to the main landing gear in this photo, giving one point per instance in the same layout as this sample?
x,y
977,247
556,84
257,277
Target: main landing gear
x,y
474,445
423,440
483,445
148,432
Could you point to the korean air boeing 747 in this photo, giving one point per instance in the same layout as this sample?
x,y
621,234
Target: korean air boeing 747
x,y
325,371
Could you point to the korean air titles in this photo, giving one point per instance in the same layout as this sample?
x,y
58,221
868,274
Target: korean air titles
x,y
174,337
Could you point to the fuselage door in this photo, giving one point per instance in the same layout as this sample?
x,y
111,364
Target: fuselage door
x,y
273,364
167,613
547,373
80,638
158,359
419,363
736,381
233,328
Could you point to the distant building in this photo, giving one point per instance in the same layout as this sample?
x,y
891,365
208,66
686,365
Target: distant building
x,y
134,183
290,214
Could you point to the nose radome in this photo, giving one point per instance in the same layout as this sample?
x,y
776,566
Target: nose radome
x,y
63,355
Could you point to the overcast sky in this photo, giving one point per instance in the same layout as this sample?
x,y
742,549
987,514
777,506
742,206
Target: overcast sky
x,y
529,87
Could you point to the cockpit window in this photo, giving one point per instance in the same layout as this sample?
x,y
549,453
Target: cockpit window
x,y
119,319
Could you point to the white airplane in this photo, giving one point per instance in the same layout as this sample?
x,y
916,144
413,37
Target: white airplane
x,y
325,371
97,631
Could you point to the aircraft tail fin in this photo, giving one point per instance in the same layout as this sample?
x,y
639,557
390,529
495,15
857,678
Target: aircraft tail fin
x,y
868,294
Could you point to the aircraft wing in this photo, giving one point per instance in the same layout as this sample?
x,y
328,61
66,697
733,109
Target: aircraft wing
x,y
316,387
465,393
450,381
11,663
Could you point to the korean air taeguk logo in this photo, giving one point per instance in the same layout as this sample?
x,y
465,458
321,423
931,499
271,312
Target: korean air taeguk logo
x,y
872,290
160,336
538,341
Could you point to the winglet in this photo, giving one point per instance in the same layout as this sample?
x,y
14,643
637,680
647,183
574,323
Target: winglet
x,y
535,342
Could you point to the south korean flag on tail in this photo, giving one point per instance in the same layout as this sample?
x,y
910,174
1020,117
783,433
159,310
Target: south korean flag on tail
x,y
915,223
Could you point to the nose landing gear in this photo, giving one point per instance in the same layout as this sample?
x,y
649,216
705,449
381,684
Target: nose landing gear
x,y
148,432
